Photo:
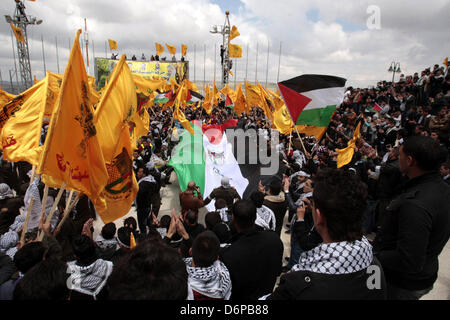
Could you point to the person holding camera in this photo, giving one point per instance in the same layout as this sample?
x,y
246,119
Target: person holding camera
x,y
191,199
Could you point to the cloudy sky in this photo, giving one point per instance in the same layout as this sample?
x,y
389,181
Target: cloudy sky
x,y
346,38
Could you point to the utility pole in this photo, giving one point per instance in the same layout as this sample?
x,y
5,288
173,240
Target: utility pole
x,y
21,20
224,53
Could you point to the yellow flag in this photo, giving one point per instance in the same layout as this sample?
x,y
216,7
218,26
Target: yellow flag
x,y
115,119
180,101
317,132
172,49
132,241
227,91
184,50
266,103
235,50
148,86
207,105
234,33
18,33
5,97
112,44
141,120
282,121
21,133
72,153
445,62
159,49
277,100
252,95
53,89
214,94
240,104
345,155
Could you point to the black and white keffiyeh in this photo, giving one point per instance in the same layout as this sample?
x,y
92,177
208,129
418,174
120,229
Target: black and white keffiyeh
x,y
336,258
265,218
213,281
91,279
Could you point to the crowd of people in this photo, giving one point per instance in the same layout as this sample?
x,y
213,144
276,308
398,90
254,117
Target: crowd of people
x,y
372,229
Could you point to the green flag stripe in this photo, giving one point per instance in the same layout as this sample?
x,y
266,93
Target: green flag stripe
x,y
188,159
316,117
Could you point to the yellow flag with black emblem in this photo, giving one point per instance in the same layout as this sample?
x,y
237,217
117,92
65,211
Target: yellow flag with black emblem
x,y
235,50
72,153
18,33
282,121
112,44
115,119
159,48
172,49
345,155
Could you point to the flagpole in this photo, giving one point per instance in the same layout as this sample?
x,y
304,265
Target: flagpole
x,y
204,64
43,55
215,53
106,51
246,65
301,141
256,69
27,219
53,209
195,57
267,65
66,213
235,73
279,63
57,54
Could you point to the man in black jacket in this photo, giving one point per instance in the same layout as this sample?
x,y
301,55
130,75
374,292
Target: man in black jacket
x,y
148,191
343,266
254,256
417,225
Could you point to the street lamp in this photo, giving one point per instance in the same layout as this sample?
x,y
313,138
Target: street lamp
x,y
225,32
395,67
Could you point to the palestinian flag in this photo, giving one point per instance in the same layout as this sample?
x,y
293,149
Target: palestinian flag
x,y
205,158
228,102
311,99
164,97
208,155
375,108
193,97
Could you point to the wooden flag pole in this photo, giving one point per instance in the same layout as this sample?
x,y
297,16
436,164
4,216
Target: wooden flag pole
x,y
44,203
27,219
33,174
52,211
67,211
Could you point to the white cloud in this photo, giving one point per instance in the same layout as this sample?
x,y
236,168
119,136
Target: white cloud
x,y
413,32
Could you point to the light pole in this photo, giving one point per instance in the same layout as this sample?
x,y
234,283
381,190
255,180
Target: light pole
x,y
395,67
224,53
21,20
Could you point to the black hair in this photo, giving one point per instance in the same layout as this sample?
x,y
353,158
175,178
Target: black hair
x,y
341,197
257,198
84,249
109,231
131,223
205,249
211,219
223,232
428,153
244,213
151,271
29,255
165,221
191,216
45,281
124,235
275,186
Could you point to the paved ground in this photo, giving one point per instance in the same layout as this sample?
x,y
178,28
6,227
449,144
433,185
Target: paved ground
x,y
169,194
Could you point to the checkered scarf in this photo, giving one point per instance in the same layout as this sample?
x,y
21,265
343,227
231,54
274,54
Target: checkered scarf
x,y
213,281
337,257
91,279
265,216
